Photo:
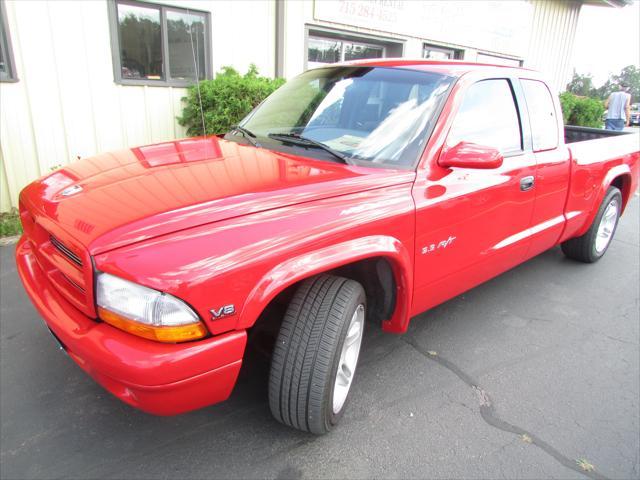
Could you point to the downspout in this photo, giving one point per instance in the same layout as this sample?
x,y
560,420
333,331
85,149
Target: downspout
x,y
279,57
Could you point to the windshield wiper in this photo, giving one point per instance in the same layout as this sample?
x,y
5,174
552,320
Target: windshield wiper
x,y
298,139
248,134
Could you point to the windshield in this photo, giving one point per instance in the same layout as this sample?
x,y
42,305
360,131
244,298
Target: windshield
x,y
372,115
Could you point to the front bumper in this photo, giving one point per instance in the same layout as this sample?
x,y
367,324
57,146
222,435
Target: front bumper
x,y
163,379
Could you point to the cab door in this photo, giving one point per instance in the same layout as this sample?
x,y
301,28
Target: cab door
x,y
553,161
472,223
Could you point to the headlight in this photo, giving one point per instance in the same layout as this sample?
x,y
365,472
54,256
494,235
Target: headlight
x,y
146,312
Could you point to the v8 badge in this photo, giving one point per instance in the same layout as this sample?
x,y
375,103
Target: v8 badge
x,y
223,311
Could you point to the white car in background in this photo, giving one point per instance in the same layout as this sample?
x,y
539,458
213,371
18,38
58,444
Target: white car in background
x,y
635,114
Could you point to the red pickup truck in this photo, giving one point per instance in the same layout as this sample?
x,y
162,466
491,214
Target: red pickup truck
x,y
371,190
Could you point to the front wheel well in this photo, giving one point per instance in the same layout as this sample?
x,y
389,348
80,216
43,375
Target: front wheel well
x,y
375,274
378,280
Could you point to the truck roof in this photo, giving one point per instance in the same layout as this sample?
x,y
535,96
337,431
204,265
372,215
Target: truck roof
x,y
451,67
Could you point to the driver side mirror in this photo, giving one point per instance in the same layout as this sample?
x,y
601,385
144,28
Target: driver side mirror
x,y
470,155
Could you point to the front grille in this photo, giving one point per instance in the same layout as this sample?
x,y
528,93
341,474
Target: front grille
x,y
65,262
65,251
74,284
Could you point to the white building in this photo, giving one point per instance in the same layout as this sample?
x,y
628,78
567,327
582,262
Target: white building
x,y
81,77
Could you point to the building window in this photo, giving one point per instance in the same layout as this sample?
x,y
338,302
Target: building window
x,y
330,50
497,60
7,67
433,52
355,51
159,45
321,50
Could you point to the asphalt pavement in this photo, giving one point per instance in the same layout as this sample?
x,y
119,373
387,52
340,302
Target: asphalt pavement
x,y
534,374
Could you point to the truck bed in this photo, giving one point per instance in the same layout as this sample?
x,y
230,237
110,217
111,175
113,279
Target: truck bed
x,y
592,145
574,134
598,156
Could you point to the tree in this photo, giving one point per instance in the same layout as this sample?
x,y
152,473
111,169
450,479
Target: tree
x,y
581,85
605,90
629,75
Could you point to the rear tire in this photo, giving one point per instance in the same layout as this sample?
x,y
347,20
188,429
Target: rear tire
x,y
592,246
316,353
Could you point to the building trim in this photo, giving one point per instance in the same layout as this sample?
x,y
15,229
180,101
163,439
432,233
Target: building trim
x,y
6,44
347,34
280,41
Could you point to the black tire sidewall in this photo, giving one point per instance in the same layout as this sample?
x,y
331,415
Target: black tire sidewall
x,y
332,419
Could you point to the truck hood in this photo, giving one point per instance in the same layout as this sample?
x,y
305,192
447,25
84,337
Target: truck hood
x,y
115,199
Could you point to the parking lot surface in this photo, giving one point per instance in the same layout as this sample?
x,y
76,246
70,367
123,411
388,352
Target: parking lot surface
x,y
534,374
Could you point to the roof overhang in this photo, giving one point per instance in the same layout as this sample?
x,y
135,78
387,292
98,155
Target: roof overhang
x,y
608,3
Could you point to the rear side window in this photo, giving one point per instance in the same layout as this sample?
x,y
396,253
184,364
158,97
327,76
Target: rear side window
x,y
542,113
488,117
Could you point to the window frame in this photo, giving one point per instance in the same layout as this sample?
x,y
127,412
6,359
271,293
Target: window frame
x,y
7,48
166,81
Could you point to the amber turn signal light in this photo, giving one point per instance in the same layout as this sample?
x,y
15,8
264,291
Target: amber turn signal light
x,y
173,334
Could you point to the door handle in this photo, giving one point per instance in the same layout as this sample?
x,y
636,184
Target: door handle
x,y
526,183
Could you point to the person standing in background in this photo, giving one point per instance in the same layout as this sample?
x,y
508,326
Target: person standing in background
x,y
618,107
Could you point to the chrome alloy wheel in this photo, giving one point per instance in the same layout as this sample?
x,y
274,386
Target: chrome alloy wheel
x,y
607,226
348,359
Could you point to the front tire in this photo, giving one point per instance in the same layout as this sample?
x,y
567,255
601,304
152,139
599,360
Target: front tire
x,y
592,246
316,353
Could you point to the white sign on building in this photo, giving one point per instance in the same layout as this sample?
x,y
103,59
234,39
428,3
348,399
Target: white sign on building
x,y
496,26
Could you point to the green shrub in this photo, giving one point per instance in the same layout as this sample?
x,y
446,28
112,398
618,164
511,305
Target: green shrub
x,y
567,102
588,113
581,111
226,99
10,223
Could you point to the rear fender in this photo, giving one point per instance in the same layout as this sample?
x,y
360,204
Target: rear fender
x,y
312,263
615,172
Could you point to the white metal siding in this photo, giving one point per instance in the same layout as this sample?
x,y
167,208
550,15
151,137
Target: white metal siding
x,y
551,43
66,104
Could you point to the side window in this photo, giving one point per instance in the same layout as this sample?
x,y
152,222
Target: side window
x,y
488,117
542,113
